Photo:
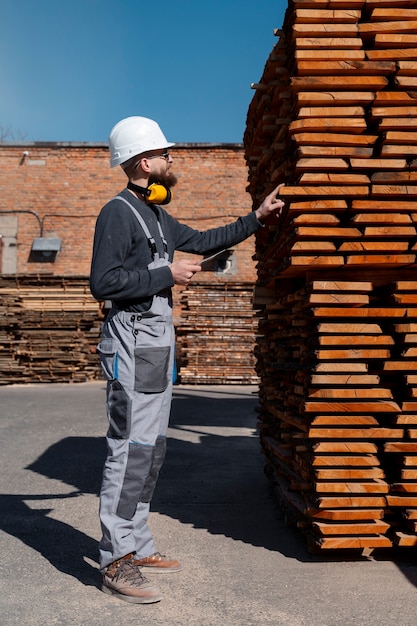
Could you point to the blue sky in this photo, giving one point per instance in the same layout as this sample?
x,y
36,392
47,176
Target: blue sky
x,y
71,69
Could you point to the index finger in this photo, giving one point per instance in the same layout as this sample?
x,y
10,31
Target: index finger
x,y
277,189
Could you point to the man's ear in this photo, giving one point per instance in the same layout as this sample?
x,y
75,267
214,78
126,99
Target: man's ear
x,y
144,165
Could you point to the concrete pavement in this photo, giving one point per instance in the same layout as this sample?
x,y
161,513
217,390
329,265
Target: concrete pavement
x,y
212,509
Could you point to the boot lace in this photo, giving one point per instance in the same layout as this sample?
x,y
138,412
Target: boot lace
x,y
128,571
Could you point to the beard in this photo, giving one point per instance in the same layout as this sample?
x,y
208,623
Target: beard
x,y
167,179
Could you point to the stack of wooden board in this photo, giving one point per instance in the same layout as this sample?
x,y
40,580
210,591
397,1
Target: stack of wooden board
x,y
334,117
49,328
217,334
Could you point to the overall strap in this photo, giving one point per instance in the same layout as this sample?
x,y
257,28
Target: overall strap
x,y
151,240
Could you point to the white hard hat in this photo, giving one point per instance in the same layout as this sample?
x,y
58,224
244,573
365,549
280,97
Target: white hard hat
x,y
132,136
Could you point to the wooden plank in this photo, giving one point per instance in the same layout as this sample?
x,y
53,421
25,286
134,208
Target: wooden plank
x,y
348,474
327,231
333,367
409,474
406,285
332,111
345,67
324,190
346,393
354,502
345,447
345,420
312,164
354,528
390,231
336,98
345,514
368,460
374,246
379,164
340,83
410,327
397,190
400,446
399,366
406,82
405,298
322,16
301,247
403,539
387,14
394,112
404,487
334,54
386,260
391,54
333,151
389,149
355,312
341,285
405,67
393,40
350,543
326,30
397,98
403,500
409,406
318,219
374,487
341,43
340,298
351,328
354,433
372,204
336,139
319,205
345,379
393,29
398,123
382,218
333,178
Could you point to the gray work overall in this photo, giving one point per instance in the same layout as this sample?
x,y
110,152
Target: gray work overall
x,y
136,354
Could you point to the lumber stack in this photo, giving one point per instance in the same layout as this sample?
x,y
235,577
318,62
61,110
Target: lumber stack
x,y
216,335
334,117
49,328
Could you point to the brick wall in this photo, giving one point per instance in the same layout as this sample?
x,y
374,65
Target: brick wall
x,y
57,190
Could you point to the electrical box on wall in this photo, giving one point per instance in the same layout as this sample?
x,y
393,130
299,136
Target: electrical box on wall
x,y
45,249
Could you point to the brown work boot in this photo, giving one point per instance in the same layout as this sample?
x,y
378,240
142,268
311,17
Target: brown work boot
x,y
159,563
124,580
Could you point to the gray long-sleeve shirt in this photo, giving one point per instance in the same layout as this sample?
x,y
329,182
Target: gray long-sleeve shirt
x,y
121,253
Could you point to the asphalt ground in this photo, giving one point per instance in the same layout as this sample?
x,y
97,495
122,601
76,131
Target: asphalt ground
x,y
213,509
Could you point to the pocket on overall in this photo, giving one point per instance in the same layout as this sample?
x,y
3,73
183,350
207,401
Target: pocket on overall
x,y
151,368
118,410
107,349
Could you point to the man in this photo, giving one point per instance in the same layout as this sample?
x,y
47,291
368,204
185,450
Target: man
x,y
133,266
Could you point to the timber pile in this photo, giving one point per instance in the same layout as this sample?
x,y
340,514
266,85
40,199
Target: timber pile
x,y
334,117
49,328
215,341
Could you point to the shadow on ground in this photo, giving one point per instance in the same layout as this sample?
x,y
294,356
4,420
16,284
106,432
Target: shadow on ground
x,y
211,479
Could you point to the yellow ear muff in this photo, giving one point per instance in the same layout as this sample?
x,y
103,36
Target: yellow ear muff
x,y
158,194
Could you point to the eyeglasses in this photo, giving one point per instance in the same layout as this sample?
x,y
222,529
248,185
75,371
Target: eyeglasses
x,y
165,156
